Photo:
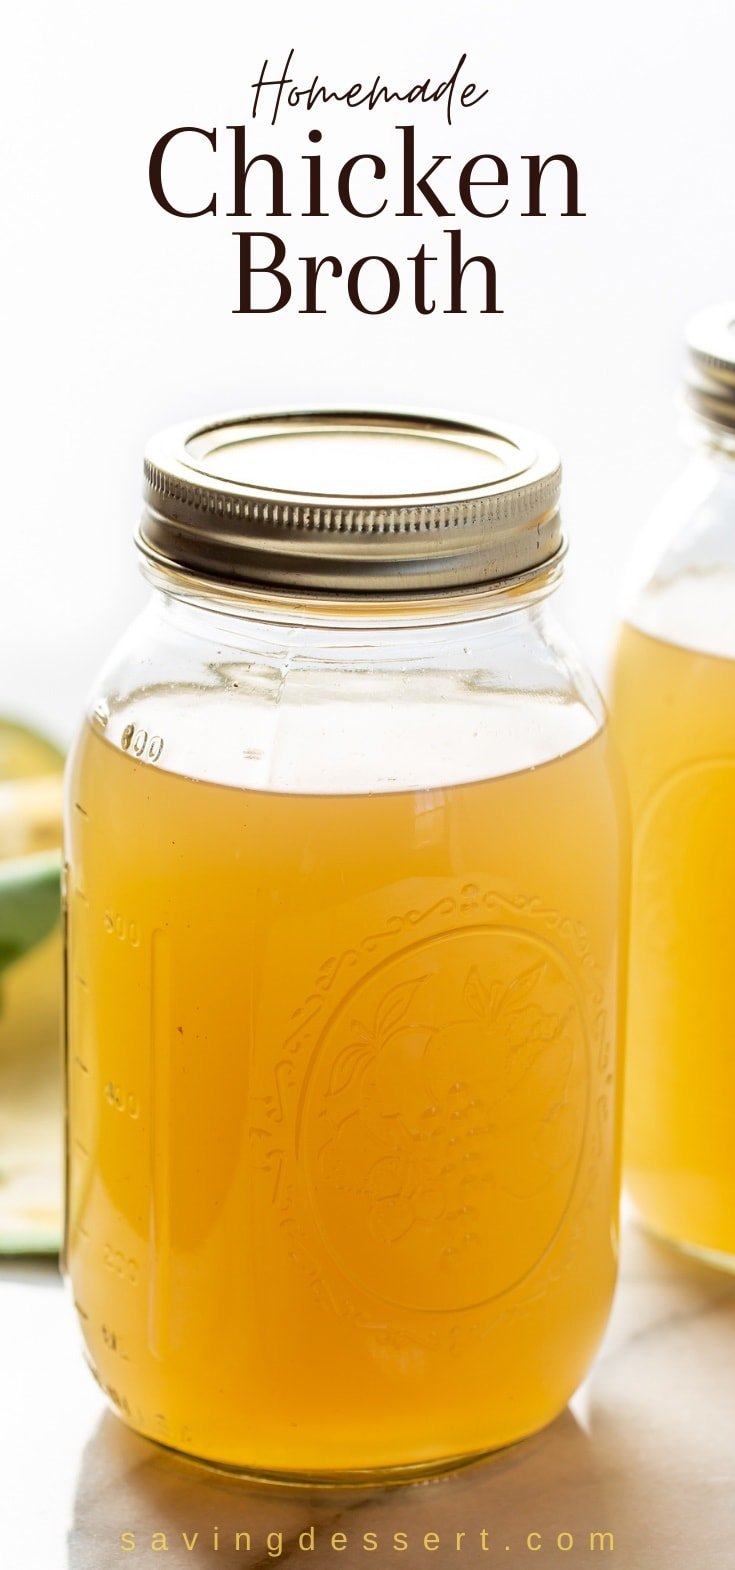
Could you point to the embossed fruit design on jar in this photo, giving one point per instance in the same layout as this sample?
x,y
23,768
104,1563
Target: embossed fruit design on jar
x,y
345,894
674,709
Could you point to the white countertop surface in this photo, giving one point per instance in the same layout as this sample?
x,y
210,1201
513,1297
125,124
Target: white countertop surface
x,y
647,1453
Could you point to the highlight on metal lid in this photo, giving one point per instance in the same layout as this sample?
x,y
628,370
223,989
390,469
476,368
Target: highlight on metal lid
x,y
350,501
710,341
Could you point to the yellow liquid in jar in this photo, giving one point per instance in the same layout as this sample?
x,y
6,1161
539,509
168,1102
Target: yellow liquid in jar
x,y
342,1119
674,711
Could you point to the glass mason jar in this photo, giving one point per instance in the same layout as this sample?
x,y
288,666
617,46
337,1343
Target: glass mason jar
x,y
345,891
674,709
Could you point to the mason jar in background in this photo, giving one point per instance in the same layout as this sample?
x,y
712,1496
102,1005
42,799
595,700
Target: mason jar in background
x,y
674,710
346,909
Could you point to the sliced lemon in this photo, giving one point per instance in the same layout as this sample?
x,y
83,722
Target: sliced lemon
x,y
30,791
24,754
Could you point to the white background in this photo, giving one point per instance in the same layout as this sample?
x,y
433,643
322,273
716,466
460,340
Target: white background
x,y
117,319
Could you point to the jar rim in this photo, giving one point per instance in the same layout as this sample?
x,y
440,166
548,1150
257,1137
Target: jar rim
x,y
350,501
274,603
710,377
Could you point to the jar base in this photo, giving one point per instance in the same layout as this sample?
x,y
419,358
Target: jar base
x,y
379,1476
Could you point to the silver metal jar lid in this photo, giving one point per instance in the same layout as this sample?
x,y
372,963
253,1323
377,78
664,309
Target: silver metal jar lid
x,y
710,341
350,501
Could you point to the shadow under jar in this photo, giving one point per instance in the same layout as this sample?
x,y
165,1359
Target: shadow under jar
x,y
345,893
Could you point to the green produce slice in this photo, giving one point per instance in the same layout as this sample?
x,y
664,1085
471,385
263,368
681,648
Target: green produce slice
x,y
29,903
24,754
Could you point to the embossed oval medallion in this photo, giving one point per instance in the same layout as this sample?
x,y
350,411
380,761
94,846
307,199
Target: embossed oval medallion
x,y
442,1119
680,846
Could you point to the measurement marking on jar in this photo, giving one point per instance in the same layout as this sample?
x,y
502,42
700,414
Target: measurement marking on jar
x,y
82,1231
141,744
81,1311
122,1100
124,1266
83,1151
83,1066
81,982
79,808
116,1399
159,1054
125,928
113,1343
